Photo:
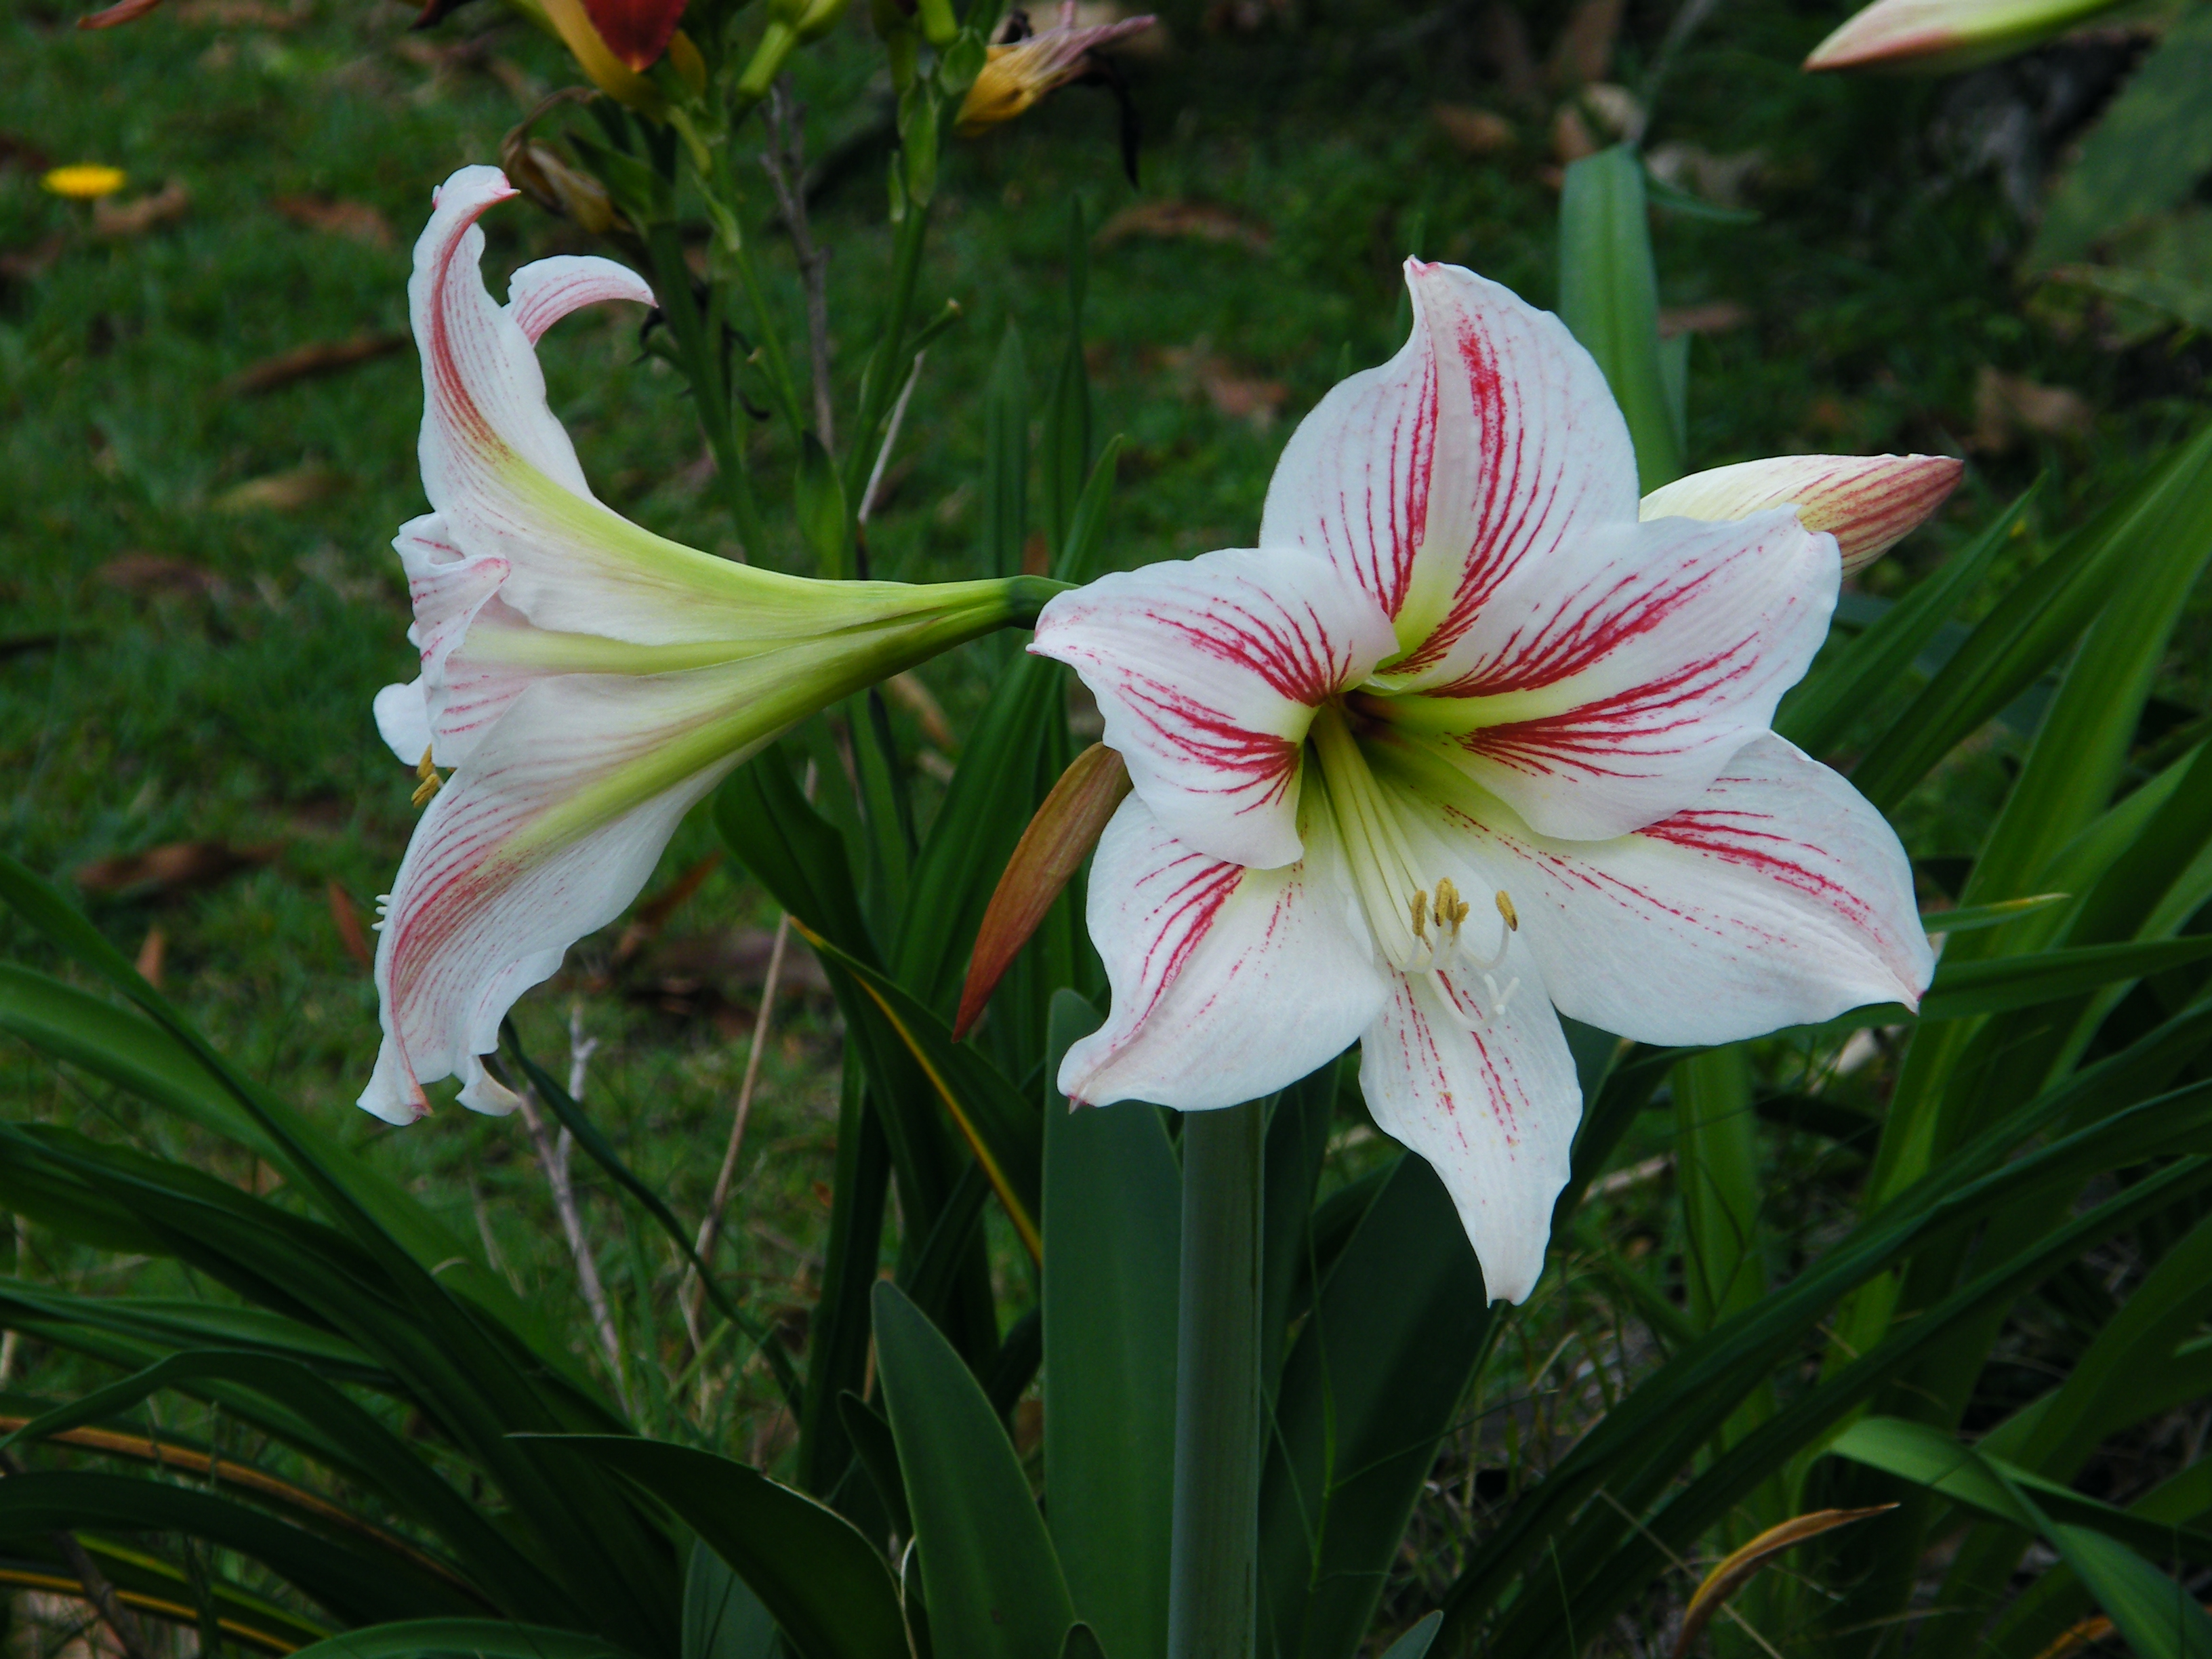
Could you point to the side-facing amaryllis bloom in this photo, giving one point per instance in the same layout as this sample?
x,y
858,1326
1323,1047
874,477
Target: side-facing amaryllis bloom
x,y
587,680
1466,741
1946,34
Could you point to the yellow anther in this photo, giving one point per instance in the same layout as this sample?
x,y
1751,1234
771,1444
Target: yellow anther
x,y
1419,905
1506,909
1451,909
431,781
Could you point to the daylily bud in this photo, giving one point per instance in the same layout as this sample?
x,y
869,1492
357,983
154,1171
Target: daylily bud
x,y
572,25
637,31
1946,34
1017,74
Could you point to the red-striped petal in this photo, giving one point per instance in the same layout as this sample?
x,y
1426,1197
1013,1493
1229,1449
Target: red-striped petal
x,y
1779,898
1487,444
1472,1072
1228,983
1208,673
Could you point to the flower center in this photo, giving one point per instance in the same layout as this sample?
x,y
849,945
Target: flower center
x,y
1419,922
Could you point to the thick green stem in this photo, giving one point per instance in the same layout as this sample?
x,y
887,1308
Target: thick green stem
x,y
1212,1594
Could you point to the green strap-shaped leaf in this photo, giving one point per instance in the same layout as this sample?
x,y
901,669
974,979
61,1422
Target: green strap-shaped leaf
x,y
722,1617
1821,711
1368,1390
1928,1456
361,1585
1414,1643
375,1458
825,1585
1113,1223
1660,1426
994,1585
1963,989
1604,1559
464,1638
2151,147
1609,296
1065,455
1082,1642
1004,1132
2030,629
1006,457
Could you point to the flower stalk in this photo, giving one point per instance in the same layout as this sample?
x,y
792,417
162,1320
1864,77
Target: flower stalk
x,y
1213,1585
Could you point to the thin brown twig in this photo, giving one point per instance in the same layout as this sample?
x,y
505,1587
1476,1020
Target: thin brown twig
x,y
891,437
553,1157
710,1229
97,1589
785,162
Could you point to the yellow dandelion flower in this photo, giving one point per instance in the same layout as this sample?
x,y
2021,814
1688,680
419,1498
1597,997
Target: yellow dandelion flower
x,y
84,181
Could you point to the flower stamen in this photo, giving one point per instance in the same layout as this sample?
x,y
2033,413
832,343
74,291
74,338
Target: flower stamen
x,y
431,784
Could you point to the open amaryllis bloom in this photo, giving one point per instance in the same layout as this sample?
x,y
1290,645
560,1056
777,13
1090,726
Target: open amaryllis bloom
x,y
1468,740
587,680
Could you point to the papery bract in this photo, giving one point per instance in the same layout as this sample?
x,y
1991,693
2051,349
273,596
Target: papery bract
x,y
1469,739
587,680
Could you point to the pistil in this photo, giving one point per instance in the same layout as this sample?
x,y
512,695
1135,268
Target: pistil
x,y
1417,924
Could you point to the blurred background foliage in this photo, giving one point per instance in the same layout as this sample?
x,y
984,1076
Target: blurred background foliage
x,y
207,416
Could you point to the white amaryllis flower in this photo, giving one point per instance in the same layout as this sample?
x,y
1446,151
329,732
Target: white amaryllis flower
x,y
587,680
1469,739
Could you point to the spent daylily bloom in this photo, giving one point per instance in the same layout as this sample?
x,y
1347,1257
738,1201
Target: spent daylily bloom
x,y
1469,739
587,680
1024,67
1946,34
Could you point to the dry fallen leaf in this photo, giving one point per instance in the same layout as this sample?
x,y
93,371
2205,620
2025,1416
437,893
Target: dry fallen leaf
x,y
15,150
1572,139
356,221
283,492
1714,317
1172,218
1476,132
1240,397
305,362
116,219
124,11
239,15
174,868
2008,407
1583,51
157,574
